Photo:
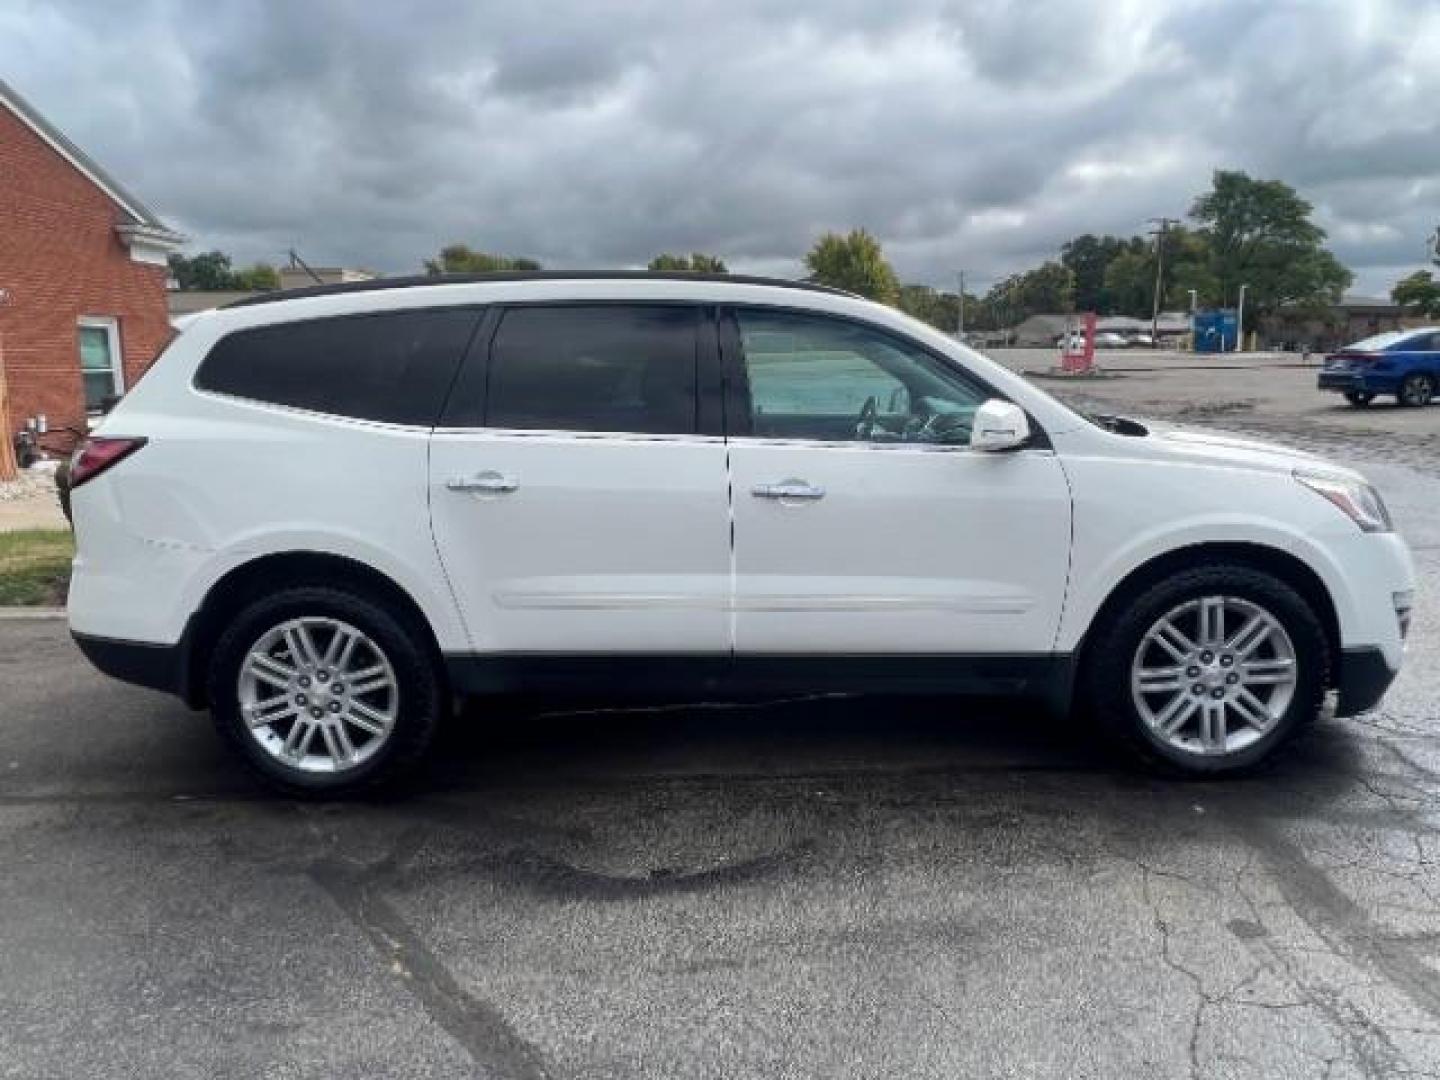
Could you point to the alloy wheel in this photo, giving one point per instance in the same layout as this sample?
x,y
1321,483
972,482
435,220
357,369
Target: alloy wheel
x,y
318,695
1417,390
1213,675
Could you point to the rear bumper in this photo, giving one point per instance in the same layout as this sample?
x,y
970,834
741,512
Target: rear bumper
x,y
159,667
1362,678
1346,381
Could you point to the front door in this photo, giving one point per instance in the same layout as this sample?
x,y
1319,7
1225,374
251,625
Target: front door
x,y
864,523
577,504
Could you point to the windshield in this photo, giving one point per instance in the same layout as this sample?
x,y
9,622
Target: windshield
x,y
1379,341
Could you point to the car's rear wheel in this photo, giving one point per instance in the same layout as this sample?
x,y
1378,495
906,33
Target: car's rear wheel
x,y
1209,671
325,692
1417,390
1359,398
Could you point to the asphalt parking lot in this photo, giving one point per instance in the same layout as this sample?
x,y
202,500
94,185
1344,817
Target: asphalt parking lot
x,y
820,887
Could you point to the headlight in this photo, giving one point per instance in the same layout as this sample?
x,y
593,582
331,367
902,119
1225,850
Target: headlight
x,y
1356,499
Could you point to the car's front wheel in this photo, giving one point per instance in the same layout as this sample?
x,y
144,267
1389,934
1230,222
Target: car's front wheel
x,y
324,692
1359,398
1209,671
1417,390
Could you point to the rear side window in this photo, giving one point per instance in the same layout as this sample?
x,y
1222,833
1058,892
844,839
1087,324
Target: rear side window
x,y
611,367
394,366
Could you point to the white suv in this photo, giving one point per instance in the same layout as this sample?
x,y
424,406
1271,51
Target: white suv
x,y
327,514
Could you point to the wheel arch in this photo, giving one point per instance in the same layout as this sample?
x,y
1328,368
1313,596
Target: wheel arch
x,y
1285,566
278,570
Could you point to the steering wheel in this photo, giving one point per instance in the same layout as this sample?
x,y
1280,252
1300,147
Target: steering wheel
x,y
941,427
865,423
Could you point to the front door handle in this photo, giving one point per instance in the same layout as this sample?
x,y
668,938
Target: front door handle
x,y
788,489
489,481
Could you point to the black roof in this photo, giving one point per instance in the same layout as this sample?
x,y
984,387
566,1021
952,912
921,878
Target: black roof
x,y
421,280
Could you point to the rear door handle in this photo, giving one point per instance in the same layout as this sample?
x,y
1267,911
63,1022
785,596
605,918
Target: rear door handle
x,y
491,481
788,489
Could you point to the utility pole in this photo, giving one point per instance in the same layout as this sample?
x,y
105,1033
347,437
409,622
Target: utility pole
x,y
1162,226
960,317
1240,321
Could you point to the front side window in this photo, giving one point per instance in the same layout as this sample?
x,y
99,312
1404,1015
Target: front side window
x,y
391,366
817,377
600,367
100,368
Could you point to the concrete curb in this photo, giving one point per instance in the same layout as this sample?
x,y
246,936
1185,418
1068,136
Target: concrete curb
x,y
21,614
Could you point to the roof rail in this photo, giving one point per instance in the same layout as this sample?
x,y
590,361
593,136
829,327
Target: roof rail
x,y
422,280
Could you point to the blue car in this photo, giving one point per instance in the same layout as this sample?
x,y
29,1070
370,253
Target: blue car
x,y
1405,363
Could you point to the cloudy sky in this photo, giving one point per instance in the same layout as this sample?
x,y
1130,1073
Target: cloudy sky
x,y
974,134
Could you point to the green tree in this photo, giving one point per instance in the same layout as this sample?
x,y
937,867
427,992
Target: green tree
x,y
212,271
1088,257
1419,292
259,276
853,262
209,271
1130,282
1259,234
695,263
460,259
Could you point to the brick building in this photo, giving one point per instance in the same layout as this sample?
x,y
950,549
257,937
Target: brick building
x,y
82,275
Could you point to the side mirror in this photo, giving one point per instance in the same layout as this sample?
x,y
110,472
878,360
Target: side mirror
x,y
999,425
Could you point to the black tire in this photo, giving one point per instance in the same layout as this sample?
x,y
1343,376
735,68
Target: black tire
x,y
1416,390
1359,398
1105,679
422,693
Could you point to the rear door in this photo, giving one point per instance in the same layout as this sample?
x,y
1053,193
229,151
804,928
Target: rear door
x,y
864,523
577,485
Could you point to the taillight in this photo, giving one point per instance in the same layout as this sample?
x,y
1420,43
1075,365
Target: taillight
x,y
98,454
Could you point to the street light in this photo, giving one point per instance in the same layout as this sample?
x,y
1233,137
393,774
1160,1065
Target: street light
x,y
1240,320
1194,302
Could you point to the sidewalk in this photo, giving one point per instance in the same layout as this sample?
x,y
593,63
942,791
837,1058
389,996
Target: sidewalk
x,y
30,503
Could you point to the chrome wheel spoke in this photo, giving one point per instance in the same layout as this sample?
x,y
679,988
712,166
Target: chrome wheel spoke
x,y
367,719
1173,717
1267,672
368,681
341,648
1212,727
1157,680
1168,636
275,672
301,646
1250,637
1252,710
297,743
262,714
1212,621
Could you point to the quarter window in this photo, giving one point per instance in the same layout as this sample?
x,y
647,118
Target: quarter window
x,y
390,366
616,367
814,377
100,363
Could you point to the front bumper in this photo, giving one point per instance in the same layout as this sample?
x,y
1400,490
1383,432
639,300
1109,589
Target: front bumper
x,y
1362,677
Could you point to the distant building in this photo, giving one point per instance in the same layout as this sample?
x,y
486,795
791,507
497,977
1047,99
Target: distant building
x,y
1042,330
1353,318
82,271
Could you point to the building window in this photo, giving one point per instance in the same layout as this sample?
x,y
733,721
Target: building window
x,y
100,364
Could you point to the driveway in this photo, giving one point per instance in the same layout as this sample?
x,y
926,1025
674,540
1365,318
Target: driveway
x,y
822,887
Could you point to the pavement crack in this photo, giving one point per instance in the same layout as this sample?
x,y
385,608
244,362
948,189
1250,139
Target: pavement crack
x,y
477,1026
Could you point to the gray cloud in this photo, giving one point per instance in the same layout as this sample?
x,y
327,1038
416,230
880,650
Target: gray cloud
x,y
964,134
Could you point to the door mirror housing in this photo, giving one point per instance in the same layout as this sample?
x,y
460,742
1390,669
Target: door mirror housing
x,y
999,425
